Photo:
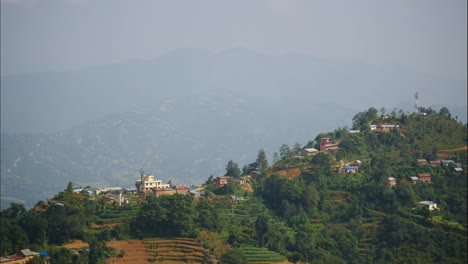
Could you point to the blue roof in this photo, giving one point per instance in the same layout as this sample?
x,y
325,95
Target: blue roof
x,y
351,168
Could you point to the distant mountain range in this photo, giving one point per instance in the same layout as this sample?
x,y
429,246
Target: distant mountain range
x,y
183,115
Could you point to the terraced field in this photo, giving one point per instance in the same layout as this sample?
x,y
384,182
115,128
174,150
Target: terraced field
x,y
174,251
156,250
261,255
115,215
129,252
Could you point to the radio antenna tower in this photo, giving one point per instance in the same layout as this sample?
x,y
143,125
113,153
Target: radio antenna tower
x,y
416,97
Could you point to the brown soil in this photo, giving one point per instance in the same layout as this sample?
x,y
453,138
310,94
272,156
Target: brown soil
x,y
290,173
456,149
247,187
76,244
131,251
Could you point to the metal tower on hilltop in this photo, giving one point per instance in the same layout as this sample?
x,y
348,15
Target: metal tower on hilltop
x,y
416,97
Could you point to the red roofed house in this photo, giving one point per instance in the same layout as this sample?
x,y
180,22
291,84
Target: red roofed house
x,y
221,181
183,189
424,177
326,144
163,191
422,162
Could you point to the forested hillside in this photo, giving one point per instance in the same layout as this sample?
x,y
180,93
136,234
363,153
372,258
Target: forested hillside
x,y
354,199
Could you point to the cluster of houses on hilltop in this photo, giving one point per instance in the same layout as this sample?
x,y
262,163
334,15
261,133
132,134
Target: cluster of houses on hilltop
x,y
149,185
325,145
383,127
220,181
426,177
434,163
421,177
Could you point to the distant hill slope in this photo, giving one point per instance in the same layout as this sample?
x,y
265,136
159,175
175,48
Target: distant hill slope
x,y
183,140
183,115
50,102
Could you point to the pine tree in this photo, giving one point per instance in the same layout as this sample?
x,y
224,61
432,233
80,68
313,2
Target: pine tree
x,y
262,160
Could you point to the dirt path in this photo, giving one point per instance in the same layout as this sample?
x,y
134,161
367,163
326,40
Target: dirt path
x,y
455,149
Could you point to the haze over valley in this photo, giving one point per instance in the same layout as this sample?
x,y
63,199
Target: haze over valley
x,y
92,91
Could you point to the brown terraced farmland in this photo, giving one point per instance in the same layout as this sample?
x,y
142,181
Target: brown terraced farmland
x,y
174,251
129,252
154,250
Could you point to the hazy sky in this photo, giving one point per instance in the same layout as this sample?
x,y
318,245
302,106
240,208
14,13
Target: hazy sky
x,y
48,35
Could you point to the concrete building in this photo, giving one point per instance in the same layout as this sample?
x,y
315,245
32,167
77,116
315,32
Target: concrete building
x,y
148,183
428,204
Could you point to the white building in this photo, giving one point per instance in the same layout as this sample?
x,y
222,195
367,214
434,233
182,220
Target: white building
x,y
428,204
148,183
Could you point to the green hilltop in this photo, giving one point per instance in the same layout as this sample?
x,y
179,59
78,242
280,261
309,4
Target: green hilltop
x,y
393,189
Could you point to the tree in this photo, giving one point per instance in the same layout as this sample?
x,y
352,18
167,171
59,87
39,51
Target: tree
x,y
382,111
63,255
57,231
295,257
311,198
166,216
444,111
232,169
14,211
361,120
69,189
262,160
207,216
245,170
262,227
97,250
275,157
284,151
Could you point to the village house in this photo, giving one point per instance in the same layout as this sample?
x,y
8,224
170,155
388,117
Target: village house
x,y
163,191
447,162
459,170
148,183
23,257
351,169
237,198
392,181
422,162
130,190
414,179
109,190
383,127
182,189
221,181
241,181
427,204
435,162
424,177
388,127
255,174
309,152
327,145
197,193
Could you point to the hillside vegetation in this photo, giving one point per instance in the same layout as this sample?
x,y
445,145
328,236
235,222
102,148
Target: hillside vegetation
x,y
335,206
